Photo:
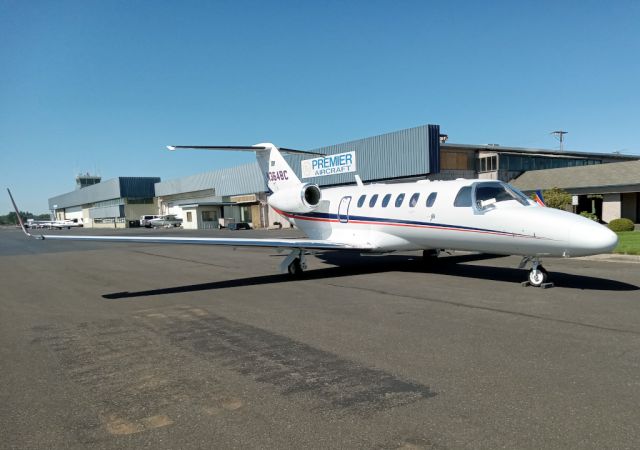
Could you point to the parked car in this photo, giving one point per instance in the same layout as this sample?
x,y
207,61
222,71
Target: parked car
x,y
239,226
145,221
167,221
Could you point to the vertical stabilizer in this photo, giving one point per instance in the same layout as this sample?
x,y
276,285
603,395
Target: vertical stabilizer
x,y
278,172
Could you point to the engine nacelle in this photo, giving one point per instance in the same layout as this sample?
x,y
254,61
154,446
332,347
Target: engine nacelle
x,y
297,200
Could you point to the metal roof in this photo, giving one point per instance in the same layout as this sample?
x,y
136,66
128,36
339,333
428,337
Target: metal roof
x,y
540,151
597,176
121,187
245,179
197,204
210,200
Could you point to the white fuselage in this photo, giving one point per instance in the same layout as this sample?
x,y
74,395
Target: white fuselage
x,y
501,225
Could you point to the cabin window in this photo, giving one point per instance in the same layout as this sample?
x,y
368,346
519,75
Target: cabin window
x,y
374,199
361,201
413,201
399,200
463,199
385,200
431,199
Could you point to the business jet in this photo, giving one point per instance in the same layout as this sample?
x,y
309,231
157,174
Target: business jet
x,y
471,215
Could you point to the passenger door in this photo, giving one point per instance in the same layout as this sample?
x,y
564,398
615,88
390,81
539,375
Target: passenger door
x,y
343,209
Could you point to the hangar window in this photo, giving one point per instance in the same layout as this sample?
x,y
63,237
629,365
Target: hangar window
x,y
374,199
463,199
488,163
361,201
385,200
431,199
414,199
399,200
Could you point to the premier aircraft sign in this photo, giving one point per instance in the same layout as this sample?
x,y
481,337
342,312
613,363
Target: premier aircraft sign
x,y
329,165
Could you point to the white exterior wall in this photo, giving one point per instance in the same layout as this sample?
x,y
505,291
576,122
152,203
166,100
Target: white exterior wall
x,y
193,225
611,207
488,175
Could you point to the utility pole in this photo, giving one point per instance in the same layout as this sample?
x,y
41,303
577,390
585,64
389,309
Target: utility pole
x,y
559,135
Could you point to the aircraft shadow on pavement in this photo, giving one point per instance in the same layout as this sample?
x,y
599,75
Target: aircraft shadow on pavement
x,y
349,265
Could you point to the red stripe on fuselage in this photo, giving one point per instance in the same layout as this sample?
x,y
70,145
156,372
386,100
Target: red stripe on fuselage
x,y
392,224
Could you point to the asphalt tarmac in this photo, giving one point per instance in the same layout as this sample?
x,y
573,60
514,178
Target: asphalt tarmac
x,y
151,346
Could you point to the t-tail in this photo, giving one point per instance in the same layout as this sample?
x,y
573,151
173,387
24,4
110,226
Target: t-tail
x,y
277,172
289,194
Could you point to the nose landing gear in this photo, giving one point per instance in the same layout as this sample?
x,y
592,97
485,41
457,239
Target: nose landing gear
x,y
538,275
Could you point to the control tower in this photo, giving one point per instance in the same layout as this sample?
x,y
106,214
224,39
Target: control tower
x,y
85,179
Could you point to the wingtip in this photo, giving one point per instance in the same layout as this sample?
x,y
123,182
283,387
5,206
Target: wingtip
x,y
15,207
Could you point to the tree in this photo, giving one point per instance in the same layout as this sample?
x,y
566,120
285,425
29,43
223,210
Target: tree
x,y
12,218
557,198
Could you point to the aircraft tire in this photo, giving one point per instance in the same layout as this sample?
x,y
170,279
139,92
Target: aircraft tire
x,y
430,258
295,268
538,276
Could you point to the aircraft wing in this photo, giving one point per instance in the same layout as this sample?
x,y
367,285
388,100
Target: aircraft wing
x,y
302,244
308,244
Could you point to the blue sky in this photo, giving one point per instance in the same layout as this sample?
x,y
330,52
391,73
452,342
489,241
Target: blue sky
x,y
105,85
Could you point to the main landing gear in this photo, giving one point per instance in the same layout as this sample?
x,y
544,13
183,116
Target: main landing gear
x,y
537,275
295,263
430,257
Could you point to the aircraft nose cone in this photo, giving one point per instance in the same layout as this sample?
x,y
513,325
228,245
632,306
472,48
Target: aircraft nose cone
x,y
590,238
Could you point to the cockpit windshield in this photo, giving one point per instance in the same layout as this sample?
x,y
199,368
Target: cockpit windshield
x,y
496,192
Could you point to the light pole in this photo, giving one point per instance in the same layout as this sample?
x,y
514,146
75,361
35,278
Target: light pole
x,y
559,135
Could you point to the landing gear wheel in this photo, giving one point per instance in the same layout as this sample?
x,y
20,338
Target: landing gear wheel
x,y
430,257
295,268
538,276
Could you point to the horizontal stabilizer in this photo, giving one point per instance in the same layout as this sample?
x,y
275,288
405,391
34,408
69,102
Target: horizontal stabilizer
x,y
241,148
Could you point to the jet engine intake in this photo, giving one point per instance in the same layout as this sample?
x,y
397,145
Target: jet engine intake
x,y
301,199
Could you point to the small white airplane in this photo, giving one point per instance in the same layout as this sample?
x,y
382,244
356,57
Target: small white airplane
x,y
59,224
473,215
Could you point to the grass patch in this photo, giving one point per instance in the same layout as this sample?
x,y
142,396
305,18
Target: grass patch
x,y
628,243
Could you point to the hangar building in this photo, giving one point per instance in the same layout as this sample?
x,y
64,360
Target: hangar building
x,y
610,191
240,193
107,204
210,199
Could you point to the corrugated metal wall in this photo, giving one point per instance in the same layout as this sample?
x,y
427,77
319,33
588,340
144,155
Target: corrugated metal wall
x,y
96,193
403,153
138,187
106,212
129,187
245,179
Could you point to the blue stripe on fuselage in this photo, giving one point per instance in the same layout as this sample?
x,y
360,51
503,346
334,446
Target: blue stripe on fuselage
x,y
390,221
